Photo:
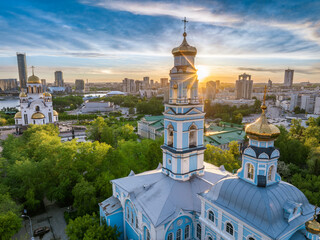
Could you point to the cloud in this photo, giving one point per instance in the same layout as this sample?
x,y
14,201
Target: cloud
x,y
310,70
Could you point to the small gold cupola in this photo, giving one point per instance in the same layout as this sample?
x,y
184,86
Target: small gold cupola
x,y
313,226
261,129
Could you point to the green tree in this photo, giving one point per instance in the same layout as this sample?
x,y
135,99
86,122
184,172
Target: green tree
x,y
95,129
234,149
84,197
220,157
10,221
314,161
88,227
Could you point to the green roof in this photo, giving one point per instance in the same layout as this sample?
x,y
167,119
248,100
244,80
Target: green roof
x,y
153,118
217,135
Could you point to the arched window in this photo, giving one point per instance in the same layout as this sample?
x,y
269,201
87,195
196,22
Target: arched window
x,y
210,238
137,223
128,213
37,108
192,136
211,216
170,236
170,135
187,232
178,237
229,228
251,238
132,217
270,173
250,171
198,231
146,234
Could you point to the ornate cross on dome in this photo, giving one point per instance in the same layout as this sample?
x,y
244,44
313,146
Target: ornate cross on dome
x,y
185,23
32,70
264,96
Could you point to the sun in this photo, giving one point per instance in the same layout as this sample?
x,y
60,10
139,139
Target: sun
x,y
203,72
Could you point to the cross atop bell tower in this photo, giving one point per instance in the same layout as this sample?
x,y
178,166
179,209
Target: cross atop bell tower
x,y
185,24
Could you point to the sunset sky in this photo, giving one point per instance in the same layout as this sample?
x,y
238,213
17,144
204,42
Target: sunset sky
x,y
109,40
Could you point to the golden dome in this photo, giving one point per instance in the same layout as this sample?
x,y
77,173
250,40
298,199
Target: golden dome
x,y
18,115
46,94
23,94
184,48
38,115
34,79
55,113
261,129
313,226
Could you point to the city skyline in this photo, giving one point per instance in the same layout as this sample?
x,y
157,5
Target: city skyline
x,y
111,40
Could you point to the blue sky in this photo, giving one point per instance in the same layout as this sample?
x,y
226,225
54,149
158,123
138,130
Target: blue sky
x,y
104,40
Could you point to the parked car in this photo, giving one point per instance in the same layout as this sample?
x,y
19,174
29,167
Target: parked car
x,y
41,231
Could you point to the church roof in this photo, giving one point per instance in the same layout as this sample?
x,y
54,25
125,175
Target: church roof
x,y
160,197
184,48
261,208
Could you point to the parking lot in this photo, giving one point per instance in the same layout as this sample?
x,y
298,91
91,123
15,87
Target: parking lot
x,y
53,219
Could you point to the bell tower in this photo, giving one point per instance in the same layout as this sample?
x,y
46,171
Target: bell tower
x,y
183,148
260,158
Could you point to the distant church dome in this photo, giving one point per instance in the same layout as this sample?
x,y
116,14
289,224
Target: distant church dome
x,y
23,94
34,79
38,115
184,48
55,113
46,94
18,115
261,129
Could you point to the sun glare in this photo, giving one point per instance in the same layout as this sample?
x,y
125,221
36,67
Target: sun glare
x,y
203,72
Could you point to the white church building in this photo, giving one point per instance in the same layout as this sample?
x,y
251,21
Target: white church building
x,y
35,106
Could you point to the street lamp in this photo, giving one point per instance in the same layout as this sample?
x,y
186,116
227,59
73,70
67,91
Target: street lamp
x,y
24,216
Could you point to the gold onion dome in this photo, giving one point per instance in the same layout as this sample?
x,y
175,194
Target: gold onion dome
x,y
261,129
46,94
18,115
55,113
34,79
313,226
23,94
184,48
38,115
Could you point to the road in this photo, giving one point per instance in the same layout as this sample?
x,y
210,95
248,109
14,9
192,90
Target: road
x,y
53,219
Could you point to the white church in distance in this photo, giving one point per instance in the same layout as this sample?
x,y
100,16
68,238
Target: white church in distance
x,y
35,106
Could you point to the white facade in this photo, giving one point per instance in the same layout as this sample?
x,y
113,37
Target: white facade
x,y
35,106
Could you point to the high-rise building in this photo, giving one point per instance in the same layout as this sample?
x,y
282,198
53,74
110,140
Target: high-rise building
x,y
164,82
9,84
79,84
44,84
217,84
145,84
58,82
244,87
138,85
128,85
288,77
210,90
269,84
22,68
317,106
